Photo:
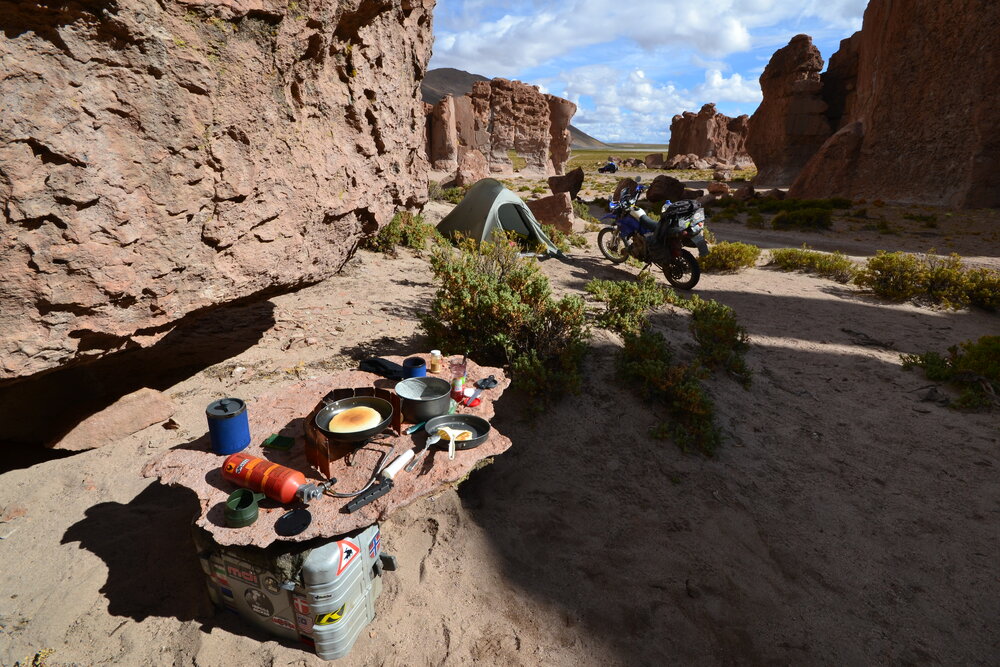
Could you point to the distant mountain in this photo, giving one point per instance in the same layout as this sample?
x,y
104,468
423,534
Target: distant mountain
x,y
449,81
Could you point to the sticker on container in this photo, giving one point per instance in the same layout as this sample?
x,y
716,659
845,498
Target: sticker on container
x,y
243,573
283,622
225,591
300,604
332,617
375,545
271,584
348,552
305,623
259,603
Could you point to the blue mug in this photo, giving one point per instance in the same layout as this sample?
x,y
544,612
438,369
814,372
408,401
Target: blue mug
x,y
414,367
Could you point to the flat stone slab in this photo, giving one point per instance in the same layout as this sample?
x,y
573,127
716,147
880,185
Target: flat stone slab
x,y
284,411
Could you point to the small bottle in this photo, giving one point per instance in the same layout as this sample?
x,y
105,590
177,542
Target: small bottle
x,y
435,361
457,377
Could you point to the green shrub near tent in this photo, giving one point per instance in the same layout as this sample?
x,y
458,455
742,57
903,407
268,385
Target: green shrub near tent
x,y
497,307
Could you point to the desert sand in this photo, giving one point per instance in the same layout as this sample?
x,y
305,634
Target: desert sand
x,y
845,520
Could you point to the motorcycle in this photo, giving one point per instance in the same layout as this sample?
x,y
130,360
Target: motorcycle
x,y
632,233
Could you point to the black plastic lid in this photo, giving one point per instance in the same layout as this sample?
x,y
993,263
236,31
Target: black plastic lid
x,y
293,522
225,408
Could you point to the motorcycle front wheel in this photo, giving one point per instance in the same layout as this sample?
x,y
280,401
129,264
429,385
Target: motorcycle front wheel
x,y
682,272
612,245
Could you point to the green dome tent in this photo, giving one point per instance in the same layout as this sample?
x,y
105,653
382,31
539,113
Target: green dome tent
x,y
489,206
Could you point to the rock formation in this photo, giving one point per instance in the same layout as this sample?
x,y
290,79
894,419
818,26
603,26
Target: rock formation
x,y
790,124
710,135
555,210
840,82
158,159
571,182
924,124
504,120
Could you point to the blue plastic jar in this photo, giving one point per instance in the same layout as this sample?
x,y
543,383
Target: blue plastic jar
x,y
228,426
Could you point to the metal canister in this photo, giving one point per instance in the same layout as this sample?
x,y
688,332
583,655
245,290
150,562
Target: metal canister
x,y
228,426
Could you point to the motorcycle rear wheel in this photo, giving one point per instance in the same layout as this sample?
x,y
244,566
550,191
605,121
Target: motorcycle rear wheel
x,y
682,272
612,245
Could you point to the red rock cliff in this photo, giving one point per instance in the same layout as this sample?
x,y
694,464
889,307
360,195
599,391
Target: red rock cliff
x,y
924,125
711,135
790,124
157,158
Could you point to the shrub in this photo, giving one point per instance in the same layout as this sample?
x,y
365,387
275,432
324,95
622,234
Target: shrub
x,y
972,367
498,307
803,218
984,288
945,281
405,229
755,220
929,221
582,211
647,364
454,195
626,302
562,240
774,205
829,265
896,276
729,257
722,341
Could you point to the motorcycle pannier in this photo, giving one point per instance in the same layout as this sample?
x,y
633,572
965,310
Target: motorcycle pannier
x,y
672,217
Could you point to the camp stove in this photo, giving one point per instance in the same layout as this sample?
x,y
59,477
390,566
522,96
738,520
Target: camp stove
x,y
321,449
323,596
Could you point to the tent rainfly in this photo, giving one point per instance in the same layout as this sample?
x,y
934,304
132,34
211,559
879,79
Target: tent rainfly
x,y
489,206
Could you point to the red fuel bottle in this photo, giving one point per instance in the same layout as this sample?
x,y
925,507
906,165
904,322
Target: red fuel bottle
x,y
275,481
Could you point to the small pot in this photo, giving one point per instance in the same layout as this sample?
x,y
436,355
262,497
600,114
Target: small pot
x,y
423,398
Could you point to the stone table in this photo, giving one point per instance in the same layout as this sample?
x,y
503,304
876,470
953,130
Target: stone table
x,y
285,411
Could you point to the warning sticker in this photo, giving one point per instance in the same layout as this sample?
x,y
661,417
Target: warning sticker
x,y
332,617
258,602
348,552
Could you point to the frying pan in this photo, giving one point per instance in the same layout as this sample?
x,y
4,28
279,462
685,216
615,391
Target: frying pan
x,y
480,429
330,410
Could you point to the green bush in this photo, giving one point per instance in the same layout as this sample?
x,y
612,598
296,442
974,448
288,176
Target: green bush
x,y
896,276
829,265
647,364
626,302
984,288
803,218
755,220
972,367
582,211
405,229
945,281
729,257
562,240
722,341
454,195
498,307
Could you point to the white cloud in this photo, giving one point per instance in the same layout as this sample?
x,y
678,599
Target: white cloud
x,y
717,88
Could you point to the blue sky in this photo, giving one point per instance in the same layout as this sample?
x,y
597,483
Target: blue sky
x,y
630,66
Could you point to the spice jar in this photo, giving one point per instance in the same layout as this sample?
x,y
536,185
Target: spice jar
x,y
435,365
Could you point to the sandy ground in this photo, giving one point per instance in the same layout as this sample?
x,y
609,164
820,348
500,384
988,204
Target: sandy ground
x,y
844,520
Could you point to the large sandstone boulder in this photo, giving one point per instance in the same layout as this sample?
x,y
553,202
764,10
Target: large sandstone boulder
x,y
472,168
924,124
159,158
663,188
709,134
571,182
790,124
555,210
654,161
443,136
130,414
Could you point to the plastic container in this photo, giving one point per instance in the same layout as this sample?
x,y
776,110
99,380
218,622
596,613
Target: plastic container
x,y
458,370
414,367
228,426
436,361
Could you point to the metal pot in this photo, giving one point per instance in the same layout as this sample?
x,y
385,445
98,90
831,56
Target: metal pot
x,y
331,410
424,398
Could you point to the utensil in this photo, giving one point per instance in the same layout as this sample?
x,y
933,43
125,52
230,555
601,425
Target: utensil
x,y
419,453
481,385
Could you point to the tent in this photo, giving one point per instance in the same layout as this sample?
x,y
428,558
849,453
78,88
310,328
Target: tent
x,y
489,206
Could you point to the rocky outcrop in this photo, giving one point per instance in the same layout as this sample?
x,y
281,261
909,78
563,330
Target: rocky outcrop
x,y
711,136
790,124
571,182
130,414
158,159
924,124
472,168
443,137
840,82
665,188
654,161
555,210
506,121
